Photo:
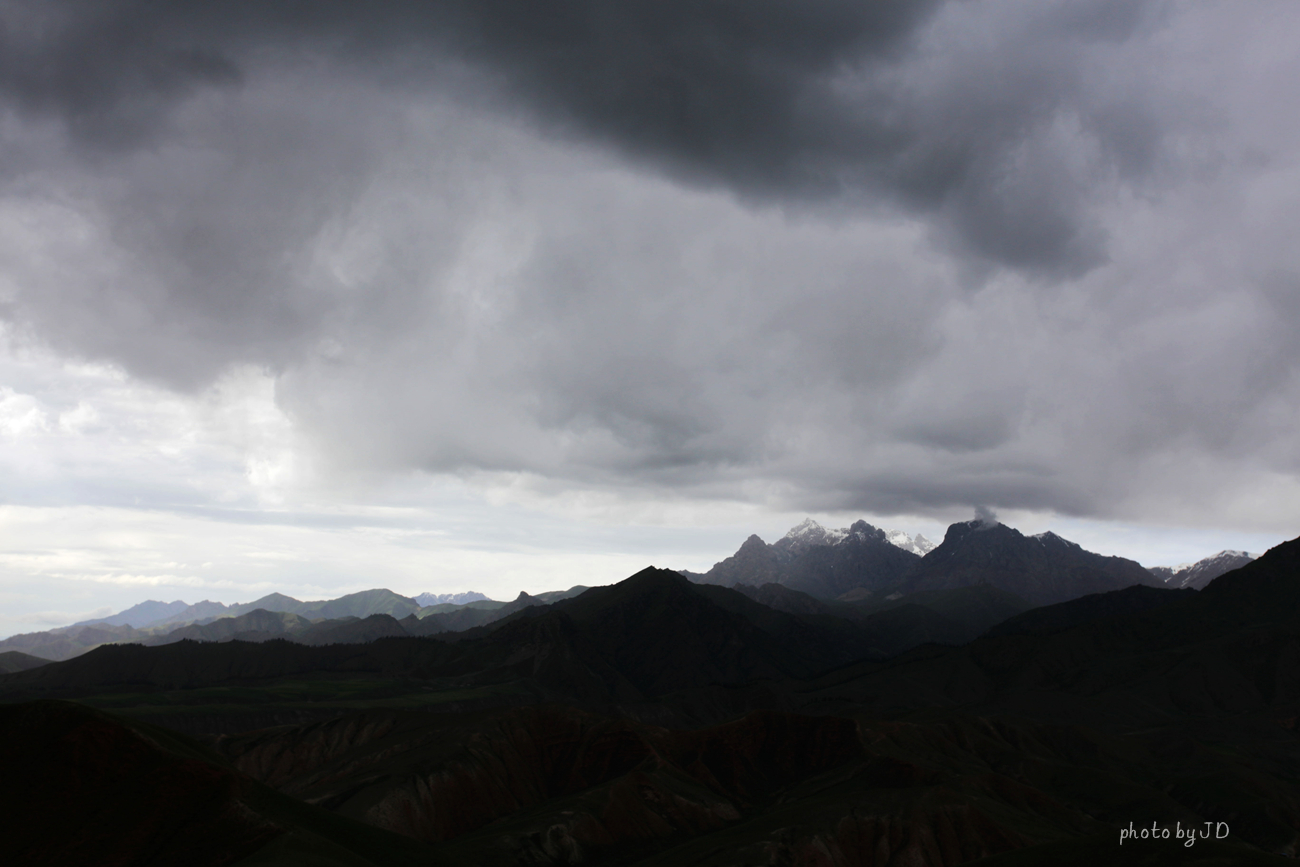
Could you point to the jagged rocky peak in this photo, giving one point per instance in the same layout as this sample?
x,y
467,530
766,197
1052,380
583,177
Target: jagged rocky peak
x,y
917,544
1199,574
982,530
809,533
861,531
1043,569
427,599
1050,538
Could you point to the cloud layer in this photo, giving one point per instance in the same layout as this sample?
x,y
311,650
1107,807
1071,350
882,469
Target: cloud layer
x,y
896,258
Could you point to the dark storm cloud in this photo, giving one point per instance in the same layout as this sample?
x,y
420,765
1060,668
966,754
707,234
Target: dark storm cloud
x,y
878,256
780,101
715,84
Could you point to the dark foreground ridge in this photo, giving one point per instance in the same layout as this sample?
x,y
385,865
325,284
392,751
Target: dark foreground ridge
x,y
657,721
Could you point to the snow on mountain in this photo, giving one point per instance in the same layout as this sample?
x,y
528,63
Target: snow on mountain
x,y
917,544
427,599
810,533
1049,537
1197,575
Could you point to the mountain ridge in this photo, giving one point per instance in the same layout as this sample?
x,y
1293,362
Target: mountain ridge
x,y
1198,575
822,563
861,561
1043,569
657,721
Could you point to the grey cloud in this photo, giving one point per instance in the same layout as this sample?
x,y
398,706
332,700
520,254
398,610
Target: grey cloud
x,y
929,486
102,67
896,264
826,101
717,83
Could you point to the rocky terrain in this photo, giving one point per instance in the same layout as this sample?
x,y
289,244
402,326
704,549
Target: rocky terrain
x,y
863,562
821,563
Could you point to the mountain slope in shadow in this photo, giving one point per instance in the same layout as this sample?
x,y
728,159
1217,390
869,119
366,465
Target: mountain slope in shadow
x,y
127,793
1230,651
819,566
12,661
522,786
1088,609
1043,569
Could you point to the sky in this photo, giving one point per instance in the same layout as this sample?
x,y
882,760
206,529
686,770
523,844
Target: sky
x,y
313,297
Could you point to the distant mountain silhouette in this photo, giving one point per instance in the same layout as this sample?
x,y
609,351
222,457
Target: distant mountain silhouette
x,y
12,661
651,634
362,604
460,618
257,625
427,599
243,623
1198,575
550,596
141,615
70,641
824,564
1043,569
861,564
199,612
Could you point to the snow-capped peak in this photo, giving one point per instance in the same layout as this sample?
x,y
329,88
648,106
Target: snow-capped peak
x,y
452,598
810,533
1199,574
1214,560
807,528
917,544
1234,555
1049,536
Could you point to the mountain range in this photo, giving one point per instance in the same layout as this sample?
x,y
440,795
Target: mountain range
x,y
825,564
662,721
425,600
851,565
355,617
367,602
862,560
